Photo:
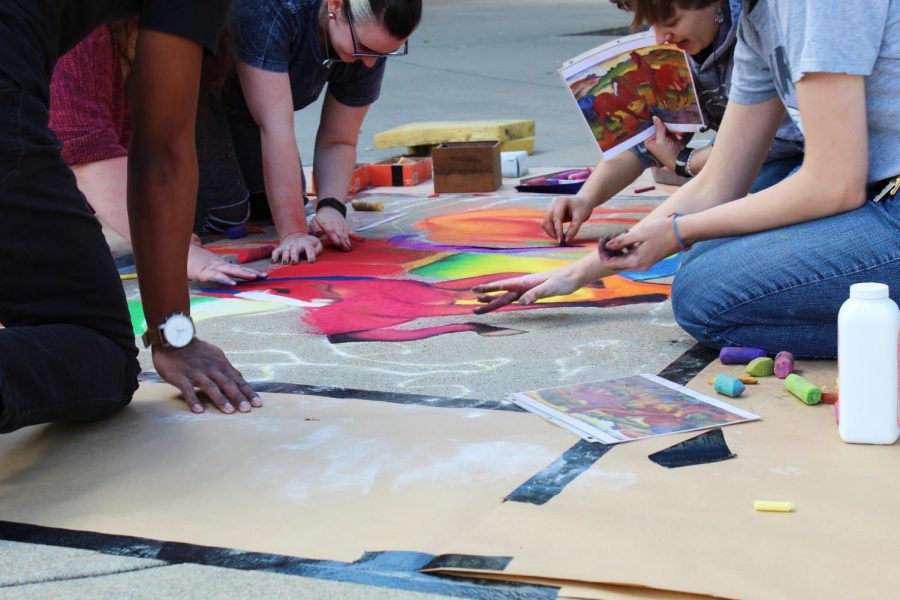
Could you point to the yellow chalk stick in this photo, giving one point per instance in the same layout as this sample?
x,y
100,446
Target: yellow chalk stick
x,y
773,506
362,205
128,276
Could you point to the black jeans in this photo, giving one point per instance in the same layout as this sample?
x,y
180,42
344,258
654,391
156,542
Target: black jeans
x,y
229,154
67,352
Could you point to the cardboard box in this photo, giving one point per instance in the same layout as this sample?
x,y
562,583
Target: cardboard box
x,y
397,172
462,167
358,181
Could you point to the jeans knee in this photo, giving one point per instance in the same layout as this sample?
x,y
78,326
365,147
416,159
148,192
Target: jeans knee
x,y
691,307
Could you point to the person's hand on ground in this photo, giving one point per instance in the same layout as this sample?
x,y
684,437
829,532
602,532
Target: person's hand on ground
x,y
202,366
295,245
527,289
566,209
334,227
665,145
316,230
208,267
640,248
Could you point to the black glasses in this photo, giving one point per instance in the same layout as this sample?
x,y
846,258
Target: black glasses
x,y
401,51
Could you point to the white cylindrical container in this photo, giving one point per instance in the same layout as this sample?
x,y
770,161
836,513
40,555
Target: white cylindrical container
x,y
868,325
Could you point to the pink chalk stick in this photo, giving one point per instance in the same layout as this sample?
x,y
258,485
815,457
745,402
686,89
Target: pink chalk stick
x,y
784,364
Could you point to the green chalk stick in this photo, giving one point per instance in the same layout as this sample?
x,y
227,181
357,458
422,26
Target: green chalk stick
x,y
761,367
728,385
803,389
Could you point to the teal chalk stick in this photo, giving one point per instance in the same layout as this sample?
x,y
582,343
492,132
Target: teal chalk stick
x,y
728,385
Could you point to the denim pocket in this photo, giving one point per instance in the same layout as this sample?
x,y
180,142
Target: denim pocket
x,y
10,139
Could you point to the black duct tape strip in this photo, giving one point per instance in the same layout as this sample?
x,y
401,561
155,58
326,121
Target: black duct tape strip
x,y
705,448
688,365
338,392
397,570
469,561
551,481
582,456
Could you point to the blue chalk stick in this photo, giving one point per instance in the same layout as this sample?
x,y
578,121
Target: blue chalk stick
x,y
728,385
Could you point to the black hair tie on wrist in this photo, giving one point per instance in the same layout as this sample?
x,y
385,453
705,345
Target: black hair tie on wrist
x,y
333,203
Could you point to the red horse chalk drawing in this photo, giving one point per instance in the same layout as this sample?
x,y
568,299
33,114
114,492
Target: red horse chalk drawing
x,y
620,86
381,290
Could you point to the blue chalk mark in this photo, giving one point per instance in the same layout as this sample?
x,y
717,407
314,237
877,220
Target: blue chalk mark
x,y
664,268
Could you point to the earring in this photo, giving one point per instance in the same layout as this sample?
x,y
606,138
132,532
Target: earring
x,y
331,15
720,16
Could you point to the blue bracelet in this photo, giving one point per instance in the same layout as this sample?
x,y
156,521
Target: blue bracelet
x,y
681,243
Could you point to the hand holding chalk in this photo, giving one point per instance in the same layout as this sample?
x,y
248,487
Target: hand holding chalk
x,y
645,245
526,289
574,210
335,228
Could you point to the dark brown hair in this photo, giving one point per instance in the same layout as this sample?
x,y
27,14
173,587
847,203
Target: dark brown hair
x,y
658,11
400,17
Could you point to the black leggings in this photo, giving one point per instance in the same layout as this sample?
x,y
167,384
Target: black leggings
x,y
68,350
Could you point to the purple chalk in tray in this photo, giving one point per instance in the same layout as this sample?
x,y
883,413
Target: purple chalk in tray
x,y
733,355
552,181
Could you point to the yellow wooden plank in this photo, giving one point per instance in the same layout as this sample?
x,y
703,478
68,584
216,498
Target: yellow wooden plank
x,y
525,143
435,132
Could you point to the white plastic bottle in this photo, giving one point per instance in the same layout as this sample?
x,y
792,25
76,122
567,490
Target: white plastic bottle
x,y
868,325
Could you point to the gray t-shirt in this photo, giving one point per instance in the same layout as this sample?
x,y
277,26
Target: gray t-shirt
x,y
779,41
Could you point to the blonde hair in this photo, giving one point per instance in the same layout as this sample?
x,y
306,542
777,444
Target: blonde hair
x,y
360,10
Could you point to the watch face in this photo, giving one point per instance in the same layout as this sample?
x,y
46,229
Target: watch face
x,y
179,331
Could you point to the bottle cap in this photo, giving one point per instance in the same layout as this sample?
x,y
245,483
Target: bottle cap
x,y
869,291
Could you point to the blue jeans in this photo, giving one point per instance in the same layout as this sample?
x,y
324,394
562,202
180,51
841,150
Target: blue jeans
x,y
68,351
781,289
774,171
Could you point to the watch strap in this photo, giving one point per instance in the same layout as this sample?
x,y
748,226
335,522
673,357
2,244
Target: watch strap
x,y
333,203
683,161
153,337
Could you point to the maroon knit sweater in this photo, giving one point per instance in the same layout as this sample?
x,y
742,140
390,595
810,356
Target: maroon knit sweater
x,y
88,103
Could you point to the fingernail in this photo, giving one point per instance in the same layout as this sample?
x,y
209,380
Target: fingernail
x,y
197,408
256,401
228,408
244,406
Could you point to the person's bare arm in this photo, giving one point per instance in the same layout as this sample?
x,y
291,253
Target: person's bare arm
x,y
162,192
104,183
607,180
271,104
334,162
831,180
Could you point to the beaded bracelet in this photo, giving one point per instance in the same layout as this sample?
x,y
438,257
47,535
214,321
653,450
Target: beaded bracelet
x,y
681,243
333,203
